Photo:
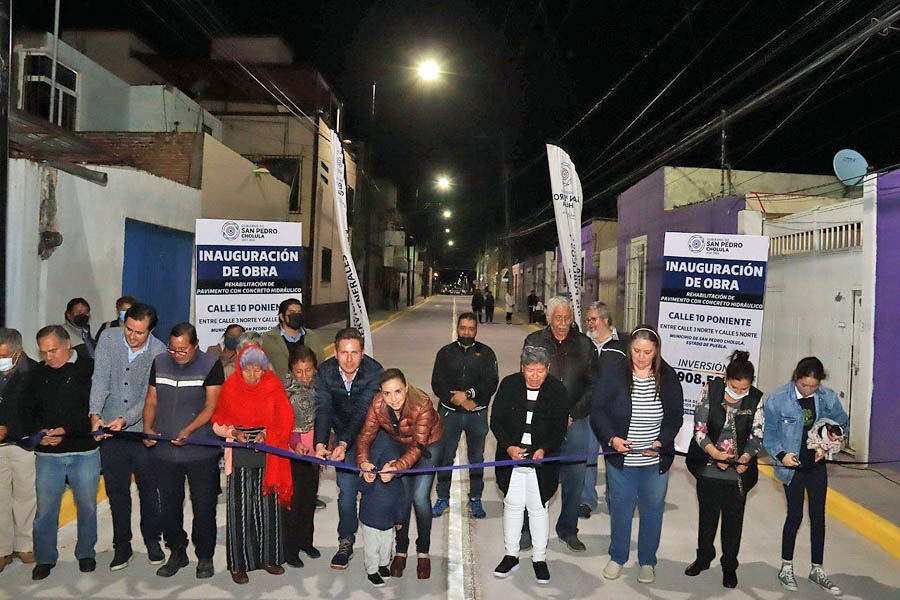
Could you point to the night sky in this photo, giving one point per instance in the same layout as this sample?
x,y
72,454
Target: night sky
x,y
519,73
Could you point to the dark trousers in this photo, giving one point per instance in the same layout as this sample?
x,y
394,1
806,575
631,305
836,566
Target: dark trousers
x,y
475,425
203,480
488,314
119,460
813,481
298,522
720,497
531,314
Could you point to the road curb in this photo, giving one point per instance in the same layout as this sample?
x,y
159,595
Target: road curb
x,y
858,518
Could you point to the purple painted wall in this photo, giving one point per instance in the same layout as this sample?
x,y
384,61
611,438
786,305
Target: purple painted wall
x,y
884,443
642,212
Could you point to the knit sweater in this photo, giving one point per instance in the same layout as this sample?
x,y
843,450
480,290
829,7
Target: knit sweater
x,y
59,398
118,387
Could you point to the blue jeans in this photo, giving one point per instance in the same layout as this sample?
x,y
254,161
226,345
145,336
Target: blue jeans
x,y
82,469
417,490
644,488
348,483
571,477
475,424
589,490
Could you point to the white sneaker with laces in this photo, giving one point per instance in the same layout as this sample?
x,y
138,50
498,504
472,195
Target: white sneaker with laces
x,y
817,575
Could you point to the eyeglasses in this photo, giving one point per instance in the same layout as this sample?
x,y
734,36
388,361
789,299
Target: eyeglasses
x,y
175,352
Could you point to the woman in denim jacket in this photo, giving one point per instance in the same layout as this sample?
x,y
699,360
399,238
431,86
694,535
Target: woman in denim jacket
x,y
790,412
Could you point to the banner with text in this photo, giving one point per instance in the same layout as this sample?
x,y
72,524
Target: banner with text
x,y
711,304
244,270
567,198
359,317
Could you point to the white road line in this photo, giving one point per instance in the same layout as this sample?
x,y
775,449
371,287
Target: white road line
x,y
456,563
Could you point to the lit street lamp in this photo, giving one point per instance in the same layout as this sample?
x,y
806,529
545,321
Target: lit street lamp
x,y
443,183
447,214
429,70
446,230
449,242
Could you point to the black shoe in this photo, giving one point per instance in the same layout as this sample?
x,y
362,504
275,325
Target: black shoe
x,y
87,565
584,511
729,579
507,566
384,572
41,572
695,568
541,572
177,560
376,579
121,558
573,543
311,552
155,554
205,568
319,503
342,557
525,542
294,561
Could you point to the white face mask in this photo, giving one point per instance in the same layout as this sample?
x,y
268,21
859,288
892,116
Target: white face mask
x,y
6,364
735,395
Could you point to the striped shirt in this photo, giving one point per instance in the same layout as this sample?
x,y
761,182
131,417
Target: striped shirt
x,y
646,419
530,402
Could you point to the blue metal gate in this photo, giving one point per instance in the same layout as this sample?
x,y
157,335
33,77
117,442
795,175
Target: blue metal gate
x,y
157,270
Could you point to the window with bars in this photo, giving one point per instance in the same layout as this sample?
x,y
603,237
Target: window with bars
x,y
636,282
844,236
37,76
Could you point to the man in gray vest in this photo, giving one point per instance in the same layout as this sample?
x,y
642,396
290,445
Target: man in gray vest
x,y
184,386
122,361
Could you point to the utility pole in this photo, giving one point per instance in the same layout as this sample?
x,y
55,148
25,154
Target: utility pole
x,y
507,249
5,56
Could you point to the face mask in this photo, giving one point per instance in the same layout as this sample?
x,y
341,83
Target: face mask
x,y
81,320
465,340
231,342
6,364
735,395
295,321
122,315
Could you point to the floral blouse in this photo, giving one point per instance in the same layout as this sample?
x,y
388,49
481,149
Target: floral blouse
x,y
303,402
726,441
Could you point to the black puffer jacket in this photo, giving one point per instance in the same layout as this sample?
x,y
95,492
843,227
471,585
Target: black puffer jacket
x,y
574,361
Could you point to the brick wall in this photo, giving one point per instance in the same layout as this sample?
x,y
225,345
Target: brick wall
x,y
175,156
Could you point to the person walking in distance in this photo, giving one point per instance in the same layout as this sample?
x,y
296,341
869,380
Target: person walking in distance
x,y
122,362
478,304
488,306
510,304
464,378
344,387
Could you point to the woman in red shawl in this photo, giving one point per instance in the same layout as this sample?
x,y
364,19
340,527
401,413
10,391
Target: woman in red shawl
x,y
254,408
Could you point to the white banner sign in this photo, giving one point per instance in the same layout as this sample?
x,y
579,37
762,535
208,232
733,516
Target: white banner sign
x,y
244,270
711,304
567,200
359,318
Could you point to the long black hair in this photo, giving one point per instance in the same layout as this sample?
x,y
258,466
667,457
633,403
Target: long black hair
x,y
739,367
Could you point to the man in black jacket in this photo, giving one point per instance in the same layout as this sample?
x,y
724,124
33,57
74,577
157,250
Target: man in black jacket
x,y
573,360
59,390
17,499
464,378
344,387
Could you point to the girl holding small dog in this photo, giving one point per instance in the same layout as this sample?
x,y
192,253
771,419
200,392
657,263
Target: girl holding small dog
x,y
791,412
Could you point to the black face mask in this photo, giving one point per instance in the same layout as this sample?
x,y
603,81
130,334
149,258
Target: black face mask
x,y
295,321
465,340
81,320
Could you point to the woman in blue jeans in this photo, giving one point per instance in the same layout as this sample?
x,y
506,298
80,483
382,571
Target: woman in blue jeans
x,y
407,415
637,412
791,412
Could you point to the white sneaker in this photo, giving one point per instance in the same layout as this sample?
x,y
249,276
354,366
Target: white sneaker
x,y
817,575
612,570
647,574
787,579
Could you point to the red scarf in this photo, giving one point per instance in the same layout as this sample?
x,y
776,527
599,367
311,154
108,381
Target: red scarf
x,y
262,405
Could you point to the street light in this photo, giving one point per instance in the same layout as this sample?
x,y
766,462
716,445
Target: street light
x,y
447,214
443,183
446,230
429,70
449,242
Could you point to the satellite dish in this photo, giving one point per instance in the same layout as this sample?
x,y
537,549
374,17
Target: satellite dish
x,y
850,167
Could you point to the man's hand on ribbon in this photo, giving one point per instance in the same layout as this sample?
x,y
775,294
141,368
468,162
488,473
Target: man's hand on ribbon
x,y
339,452
52,437
178,441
